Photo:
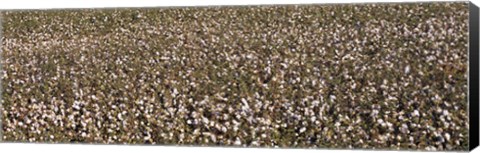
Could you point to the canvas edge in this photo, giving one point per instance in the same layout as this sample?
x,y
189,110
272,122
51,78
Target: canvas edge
x,y
473,96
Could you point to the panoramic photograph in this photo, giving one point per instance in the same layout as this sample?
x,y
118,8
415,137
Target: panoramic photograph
x,y
320,76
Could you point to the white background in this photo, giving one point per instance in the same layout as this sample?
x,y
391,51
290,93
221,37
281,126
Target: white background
x,y
46,4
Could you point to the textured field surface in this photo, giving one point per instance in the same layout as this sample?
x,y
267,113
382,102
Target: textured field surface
x,y
375,76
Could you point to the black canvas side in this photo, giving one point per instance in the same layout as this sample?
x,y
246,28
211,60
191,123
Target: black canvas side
x,y
473,76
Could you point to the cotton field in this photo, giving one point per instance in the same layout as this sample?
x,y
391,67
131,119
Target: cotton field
x,y
363,76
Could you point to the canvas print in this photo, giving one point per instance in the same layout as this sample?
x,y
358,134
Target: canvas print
x,y
332,76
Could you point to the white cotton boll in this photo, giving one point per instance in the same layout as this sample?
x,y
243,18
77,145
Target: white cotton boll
x,y
213,137
380,121
205,120
237,142
119,116
445,112
303,129
415,113
140,102
333,97
76,105
407,69
389,124
447,136
94,97
146,138
244,101
224,129
264,135
375,112
175,92
28,121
